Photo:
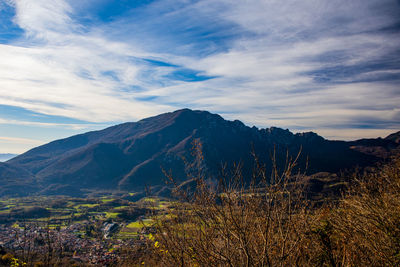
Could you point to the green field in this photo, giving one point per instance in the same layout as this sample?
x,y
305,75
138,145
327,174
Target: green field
x,y
60,212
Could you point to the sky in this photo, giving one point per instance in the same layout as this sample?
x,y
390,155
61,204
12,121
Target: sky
x,y
68,67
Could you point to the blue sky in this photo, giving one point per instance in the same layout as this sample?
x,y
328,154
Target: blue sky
x,y
67,67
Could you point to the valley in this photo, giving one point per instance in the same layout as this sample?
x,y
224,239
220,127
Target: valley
x,y
81,230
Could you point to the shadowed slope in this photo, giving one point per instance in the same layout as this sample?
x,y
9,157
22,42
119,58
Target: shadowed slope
x,y
131,155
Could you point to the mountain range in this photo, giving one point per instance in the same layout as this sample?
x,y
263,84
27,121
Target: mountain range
x,y
133,155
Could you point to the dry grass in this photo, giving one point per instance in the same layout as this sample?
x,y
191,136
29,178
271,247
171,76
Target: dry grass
x,y
366,225
271,223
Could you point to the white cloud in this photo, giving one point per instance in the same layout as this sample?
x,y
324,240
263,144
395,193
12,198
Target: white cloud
x,y
268,79
20,140
17,145
73,126
265,76
44,19
64,74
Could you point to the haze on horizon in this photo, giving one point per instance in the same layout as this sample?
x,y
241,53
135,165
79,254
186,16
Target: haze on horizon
x,y
67,67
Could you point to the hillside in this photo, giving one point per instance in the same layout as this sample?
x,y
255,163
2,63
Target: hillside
x,y
132,155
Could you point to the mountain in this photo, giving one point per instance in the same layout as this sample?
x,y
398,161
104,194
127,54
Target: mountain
x,y
133,155
15,180
395,137
379,147
7,156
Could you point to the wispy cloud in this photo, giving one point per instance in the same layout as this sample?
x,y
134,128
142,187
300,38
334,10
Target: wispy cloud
x,y
314,64
73,126
44,19
17,145
20,140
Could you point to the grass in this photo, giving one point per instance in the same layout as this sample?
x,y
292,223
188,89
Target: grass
x,y
149,199
111,215
136,224
16,225
121,207
79,206
140,224
105,200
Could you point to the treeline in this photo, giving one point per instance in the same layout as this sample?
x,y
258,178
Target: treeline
x,y
273,223
24,213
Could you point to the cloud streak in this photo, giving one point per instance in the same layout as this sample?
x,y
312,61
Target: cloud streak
x,y
73,126
329,66
20,140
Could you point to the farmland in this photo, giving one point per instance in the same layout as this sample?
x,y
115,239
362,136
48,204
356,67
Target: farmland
x,y
90,230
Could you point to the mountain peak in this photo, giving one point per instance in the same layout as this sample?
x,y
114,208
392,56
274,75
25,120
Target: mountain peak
x,y
131,155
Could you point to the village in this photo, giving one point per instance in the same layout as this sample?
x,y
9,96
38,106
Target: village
x,y
96,231
71,242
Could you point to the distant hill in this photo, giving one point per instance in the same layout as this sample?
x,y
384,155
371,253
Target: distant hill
x,y
7,156
132,155
395,137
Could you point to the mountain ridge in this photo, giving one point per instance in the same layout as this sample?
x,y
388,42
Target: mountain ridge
x,y
131,155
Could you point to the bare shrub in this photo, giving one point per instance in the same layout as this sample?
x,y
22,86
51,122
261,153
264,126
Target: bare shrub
x,y
366,225
263,224
270,222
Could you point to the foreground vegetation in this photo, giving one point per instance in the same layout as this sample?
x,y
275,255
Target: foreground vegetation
x,y
270,222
